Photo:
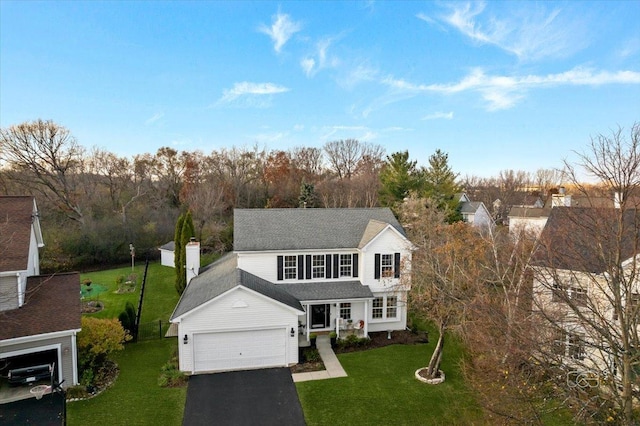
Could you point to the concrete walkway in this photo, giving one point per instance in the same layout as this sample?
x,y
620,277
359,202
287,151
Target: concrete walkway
x,y
331,364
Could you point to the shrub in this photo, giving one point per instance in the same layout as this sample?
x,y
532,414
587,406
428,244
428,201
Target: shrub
x,y
170,374
311,355
98,339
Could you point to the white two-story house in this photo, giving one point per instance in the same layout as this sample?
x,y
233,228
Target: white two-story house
x,y
292,272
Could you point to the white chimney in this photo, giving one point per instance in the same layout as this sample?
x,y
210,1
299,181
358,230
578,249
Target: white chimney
x,y
617,199
192,259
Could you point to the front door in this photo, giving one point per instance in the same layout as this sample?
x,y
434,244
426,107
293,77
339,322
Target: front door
x,y
320,316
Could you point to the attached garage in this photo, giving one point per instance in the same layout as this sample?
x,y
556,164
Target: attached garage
x,y
228,319
239,350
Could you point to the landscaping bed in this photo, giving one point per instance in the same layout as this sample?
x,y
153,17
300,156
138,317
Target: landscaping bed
x,y
379,340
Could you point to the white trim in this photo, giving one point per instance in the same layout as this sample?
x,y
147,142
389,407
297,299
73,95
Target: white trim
x,y
411,245
37,337
55,346
74,358
231,290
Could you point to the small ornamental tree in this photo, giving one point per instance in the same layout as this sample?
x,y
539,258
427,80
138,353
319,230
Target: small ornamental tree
x,y
99,338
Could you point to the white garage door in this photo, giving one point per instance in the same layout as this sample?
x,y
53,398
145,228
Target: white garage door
x,y
237,350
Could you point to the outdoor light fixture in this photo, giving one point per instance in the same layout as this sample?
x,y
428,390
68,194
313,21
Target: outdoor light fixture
x,y
293,332
186,339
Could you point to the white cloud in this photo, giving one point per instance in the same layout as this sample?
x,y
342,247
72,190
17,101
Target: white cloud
x,y
281,30
503,92
320,59
529,31
250,91
155,117
307,65
439,115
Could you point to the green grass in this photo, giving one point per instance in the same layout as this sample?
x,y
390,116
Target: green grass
x,y
135,398
160,294
381,389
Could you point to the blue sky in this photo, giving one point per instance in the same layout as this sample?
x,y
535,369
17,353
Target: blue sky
x,y
496,85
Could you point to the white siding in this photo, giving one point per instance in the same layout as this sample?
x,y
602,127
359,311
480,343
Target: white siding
x,y
386,243
238,310
265,265
530,224
400,323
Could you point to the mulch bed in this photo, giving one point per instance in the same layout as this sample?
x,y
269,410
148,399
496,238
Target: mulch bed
x,y
378,340
381,339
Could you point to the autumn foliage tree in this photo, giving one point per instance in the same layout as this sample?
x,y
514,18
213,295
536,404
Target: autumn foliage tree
x,y
446,270
98,339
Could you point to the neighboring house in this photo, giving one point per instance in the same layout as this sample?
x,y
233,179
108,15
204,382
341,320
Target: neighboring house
x,y
39,314
474,212
293,272
167,254
571,265
533,217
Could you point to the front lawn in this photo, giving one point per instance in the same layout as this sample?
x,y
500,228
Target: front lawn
x,y
381,389
135,398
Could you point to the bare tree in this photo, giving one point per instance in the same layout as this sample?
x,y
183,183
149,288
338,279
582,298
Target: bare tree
x,y
446,270
345,155
587,287
44,157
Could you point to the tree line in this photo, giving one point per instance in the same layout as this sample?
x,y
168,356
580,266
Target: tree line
x,y
95,203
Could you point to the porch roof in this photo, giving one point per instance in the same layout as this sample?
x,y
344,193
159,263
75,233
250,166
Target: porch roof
x,y
328,290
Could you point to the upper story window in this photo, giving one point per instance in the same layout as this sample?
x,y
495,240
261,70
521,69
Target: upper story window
x,y
387,265
290,267
569,293
346,265
318,265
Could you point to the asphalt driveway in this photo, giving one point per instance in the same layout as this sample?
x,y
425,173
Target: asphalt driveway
x,y
45,411
252,397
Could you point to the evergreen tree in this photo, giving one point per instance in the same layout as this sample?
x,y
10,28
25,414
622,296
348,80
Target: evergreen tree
x,y
440,185
188,231
398,178
308,197
177,254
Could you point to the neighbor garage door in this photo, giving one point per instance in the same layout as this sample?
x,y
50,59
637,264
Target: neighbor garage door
x,y
239,350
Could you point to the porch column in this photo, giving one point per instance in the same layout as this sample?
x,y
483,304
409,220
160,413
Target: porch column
x,y
366,318
308,323
338,320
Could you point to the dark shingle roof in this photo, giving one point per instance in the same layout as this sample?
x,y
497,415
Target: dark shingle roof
x,y
583,238
15,232
52,304
299,229
170,246
328,290
529,212
222,276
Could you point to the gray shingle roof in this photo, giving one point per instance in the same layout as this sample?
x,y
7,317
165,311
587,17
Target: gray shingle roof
x,y
583,239
221,276
470,206
299,229
170,246
15,232
328,290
